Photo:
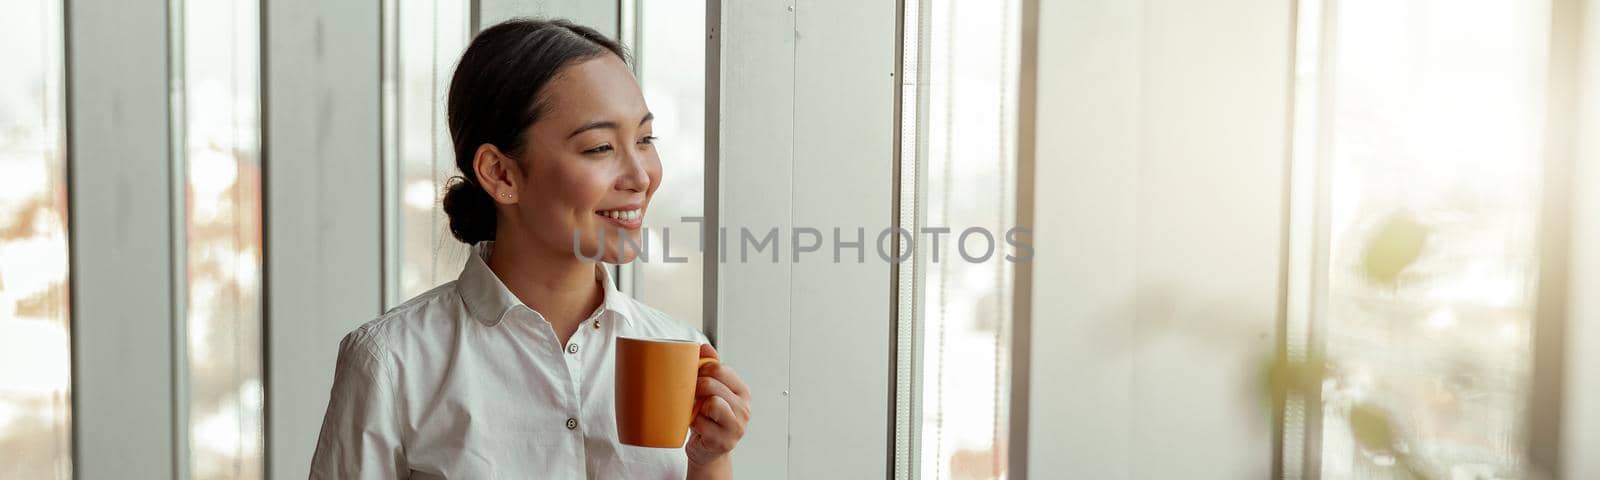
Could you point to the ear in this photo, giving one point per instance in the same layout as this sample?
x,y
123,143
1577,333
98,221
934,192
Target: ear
x,y
497,173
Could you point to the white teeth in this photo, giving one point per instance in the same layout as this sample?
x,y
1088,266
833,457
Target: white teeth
x,y
627,215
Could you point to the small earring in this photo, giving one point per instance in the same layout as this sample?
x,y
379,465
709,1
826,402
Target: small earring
x,y
505,195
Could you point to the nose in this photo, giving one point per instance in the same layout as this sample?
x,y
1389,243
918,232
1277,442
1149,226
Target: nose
x,y
636,175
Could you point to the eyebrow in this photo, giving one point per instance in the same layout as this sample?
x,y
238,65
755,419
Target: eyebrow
x,y
607,124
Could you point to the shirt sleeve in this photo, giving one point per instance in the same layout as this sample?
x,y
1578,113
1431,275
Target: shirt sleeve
x,y
360,436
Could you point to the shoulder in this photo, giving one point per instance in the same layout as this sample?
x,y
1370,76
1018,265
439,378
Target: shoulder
x,y
648,321
382,339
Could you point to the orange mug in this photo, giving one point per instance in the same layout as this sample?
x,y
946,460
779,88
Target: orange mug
x,y
655,383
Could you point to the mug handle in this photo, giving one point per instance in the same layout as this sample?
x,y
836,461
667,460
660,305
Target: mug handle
x,y
700,401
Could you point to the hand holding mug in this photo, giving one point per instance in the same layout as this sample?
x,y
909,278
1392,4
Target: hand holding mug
x,y
666,388
722,411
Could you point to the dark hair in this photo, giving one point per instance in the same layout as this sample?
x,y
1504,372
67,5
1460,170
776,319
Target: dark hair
x,y
495,96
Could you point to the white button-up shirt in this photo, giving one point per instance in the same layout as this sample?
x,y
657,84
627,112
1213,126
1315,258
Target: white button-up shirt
x,y
466,382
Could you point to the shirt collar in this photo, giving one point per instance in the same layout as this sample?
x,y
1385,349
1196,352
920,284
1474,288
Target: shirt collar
x,y
488,300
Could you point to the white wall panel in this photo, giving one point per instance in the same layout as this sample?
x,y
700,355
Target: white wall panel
x,y
751,134
804,119
1085,205
1159,196
843,175
323,215
121,238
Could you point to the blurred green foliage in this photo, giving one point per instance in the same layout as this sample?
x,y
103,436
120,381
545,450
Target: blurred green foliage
x,y
1395,245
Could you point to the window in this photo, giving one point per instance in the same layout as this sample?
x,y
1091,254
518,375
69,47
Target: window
x,y
219,144
35,347
422,41
670,58
959,147
1426,136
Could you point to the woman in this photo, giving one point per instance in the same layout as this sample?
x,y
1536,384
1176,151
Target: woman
x,y
506,372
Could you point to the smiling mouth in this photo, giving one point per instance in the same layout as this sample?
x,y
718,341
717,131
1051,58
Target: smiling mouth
x,y
623,215
627,219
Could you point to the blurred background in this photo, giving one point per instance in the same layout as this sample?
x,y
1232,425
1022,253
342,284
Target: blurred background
x,y
1297,239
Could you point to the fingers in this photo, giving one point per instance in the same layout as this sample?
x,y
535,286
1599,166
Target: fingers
x,y
724,411
717,420
711,387
730,378
714,439
725,374
727,404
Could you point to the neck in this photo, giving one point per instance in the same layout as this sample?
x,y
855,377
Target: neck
x,y
559,286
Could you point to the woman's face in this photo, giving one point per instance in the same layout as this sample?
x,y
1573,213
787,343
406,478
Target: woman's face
x,y
589,162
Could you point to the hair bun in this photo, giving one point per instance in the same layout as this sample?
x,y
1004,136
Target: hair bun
x,y
471,211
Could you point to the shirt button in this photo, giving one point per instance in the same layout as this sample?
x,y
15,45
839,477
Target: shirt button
x,y
572,423
572,348
596,324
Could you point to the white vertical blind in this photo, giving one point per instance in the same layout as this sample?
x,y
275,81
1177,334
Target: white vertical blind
x,y
971,60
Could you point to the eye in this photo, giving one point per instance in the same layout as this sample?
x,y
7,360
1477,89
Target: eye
x,y
648,140
598,150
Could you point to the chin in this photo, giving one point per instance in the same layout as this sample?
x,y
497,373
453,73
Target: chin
x,y
620,250
619,255
617,248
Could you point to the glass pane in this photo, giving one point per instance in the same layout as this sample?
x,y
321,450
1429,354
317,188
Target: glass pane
x,y
671,64
35,346
426,38
221,149
1435,165
970,63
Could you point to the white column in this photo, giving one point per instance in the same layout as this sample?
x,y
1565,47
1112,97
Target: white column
x,y
843,174
321,156
121,184
750,142
802,120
